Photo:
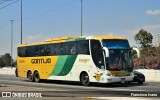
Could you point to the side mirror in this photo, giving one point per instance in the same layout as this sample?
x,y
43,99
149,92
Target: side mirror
x,y
137,50
106,51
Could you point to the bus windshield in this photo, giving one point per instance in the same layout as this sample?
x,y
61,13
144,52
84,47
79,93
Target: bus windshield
x,y
120,57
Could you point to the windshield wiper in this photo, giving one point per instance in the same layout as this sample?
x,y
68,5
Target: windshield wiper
x,y
126,64
122,61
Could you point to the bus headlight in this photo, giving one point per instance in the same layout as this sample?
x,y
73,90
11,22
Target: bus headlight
x,y
132,74
109,73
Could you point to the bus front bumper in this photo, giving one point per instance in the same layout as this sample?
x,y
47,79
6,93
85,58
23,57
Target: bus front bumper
x,y
115,79
122,79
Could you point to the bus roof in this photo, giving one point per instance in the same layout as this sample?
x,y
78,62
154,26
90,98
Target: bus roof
x,y
71,38
109,37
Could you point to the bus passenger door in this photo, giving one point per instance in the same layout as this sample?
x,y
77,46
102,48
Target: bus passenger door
x,y
97,54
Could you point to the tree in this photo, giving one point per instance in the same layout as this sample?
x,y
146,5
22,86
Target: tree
x,y
1,63
144,38
14,64
6,59
150,55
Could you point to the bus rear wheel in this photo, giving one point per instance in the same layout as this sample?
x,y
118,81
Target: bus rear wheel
x,y
30,76
36,77
84,78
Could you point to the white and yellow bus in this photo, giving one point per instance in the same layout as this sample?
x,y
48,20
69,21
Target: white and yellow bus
x,y
101,59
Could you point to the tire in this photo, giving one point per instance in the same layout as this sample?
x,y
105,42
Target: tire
x,y
84,78
140,82
36,77
109,84
30,76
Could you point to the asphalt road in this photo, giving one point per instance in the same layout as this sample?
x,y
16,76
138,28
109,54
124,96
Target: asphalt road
x,y
75,89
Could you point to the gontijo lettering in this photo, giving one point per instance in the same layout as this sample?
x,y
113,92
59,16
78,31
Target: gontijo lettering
x,y
41,61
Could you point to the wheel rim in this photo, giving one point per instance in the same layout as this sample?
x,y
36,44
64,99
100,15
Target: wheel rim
x,y
30,76
36,77
85,79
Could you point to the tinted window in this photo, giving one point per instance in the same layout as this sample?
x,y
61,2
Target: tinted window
x,y
116,44
22,52
83,47
33,51
27,52
42,50
48,50
58,49
68,48
51,47
97,53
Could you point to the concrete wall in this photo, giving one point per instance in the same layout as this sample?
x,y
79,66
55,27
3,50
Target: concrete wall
x,y
151,75
7,71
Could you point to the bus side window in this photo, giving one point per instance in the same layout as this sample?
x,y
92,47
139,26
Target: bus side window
x,y
55,49
20,52
73,48
52,51
47,50
70,48
58,49
65,49
42,51
33,51
24,51
83,47
36,51
27,52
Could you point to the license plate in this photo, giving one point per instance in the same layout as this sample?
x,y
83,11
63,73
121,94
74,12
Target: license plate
x,y
122,80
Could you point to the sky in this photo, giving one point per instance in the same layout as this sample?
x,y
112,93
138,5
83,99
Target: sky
x,y
43,19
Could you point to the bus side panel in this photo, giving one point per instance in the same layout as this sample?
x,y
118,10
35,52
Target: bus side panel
x,y
40,64
22,64
82,63
63,67
70,69
49,67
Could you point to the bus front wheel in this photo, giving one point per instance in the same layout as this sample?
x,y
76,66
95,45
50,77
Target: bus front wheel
x,y
36,77
84,78
30,76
